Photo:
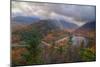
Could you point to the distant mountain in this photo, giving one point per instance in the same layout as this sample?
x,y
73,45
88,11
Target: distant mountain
x,y
88,29
48,25
44,26
68,24
25,19
88,26
62,24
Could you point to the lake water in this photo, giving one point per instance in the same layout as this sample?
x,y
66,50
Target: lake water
x,y
79,40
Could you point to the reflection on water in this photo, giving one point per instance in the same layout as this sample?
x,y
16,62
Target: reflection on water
x,y
79,40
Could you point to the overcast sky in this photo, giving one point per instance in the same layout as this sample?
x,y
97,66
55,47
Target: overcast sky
x,y
75,13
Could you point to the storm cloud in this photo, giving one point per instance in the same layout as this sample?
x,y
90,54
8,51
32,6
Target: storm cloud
x,y
78,14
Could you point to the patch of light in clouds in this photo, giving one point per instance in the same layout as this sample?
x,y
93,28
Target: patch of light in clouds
x,y
75,13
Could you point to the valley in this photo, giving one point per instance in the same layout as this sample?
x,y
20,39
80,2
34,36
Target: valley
x,y
56,44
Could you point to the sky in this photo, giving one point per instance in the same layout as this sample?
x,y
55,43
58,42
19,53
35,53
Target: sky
x,y
77,14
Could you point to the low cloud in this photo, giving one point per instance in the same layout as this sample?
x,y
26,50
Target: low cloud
x,y
75,13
